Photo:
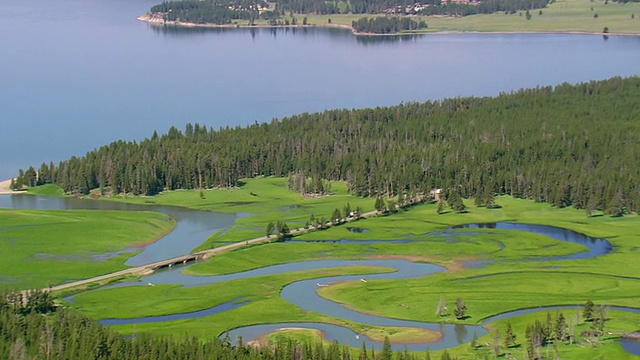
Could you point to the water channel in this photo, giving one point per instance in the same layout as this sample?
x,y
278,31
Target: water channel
x,y
192,228
303,293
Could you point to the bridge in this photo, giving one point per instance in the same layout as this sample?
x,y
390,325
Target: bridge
x,y
184,259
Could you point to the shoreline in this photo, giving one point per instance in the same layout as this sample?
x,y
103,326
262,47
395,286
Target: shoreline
x,y
157,21
5,189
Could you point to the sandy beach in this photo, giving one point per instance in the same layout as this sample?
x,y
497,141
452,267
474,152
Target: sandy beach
x,y
4,187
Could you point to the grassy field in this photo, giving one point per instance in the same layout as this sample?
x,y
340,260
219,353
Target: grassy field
x,y
258,201
503,284
42,248
560,16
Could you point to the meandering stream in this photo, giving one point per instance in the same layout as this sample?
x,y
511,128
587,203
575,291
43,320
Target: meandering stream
x,y
303,294
192,228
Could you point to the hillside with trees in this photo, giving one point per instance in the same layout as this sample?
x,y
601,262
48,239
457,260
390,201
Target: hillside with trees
x,y
573,145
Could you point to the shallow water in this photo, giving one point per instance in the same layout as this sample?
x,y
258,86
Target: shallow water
x,y
193,227
303,293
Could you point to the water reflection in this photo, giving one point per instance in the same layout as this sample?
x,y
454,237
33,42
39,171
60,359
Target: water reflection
x,y
461,333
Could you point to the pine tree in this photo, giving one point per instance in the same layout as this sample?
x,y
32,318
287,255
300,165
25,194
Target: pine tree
x,y
509,337
460,309
387,352
270,227
588,311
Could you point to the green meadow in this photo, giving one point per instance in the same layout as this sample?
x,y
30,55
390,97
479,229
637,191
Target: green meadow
x,y
47,247
559,16
259,201
504,283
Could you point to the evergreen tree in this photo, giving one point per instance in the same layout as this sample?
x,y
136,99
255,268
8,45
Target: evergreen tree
x,y
379,205
509,337
387,352
474,341
560,327
460,309
270,227
588,311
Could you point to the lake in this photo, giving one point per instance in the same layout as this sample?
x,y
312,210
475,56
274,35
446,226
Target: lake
x,y
78,74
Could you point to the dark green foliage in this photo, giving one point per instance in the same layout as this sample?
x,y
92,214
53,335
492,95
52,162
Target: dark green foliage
x,y
573,145
482,7
65,334
387,353
589,310
336,217
209,11
222,12
387,25
270,227
460,309
561,327
379,205
509,337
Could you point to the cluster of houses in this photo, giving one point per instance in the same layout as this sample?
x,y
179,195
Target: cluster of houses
x,y
416,8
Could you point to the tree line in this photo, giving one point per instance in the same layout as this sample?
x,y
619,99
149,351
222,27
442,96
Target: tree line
x,y
43,331
209,11
387,25
482,7
573,145
224,11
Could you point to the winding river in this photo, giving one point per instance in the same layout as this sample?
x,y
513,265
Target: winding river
x,y
192,228
303,294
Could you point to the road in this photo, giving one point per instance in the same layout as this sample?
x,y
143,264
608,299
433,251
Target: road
x,y
205,254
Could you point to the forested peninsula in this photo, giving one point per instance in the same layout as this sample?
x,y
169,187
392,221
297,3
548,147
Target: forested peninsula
x,y
569,145
281,12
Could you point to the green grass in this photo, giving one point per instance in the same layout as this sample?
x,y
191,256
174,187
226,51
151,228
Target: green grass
x,y
503,285
263,292
561,16
46,247
260,201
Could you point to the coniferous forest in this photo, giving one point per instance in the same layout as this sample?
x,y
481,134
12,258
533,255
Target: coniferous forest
x,y
32,328
573,145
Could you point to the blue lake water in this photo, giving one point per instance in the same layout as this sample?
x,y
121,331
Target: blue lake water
x,y
82,73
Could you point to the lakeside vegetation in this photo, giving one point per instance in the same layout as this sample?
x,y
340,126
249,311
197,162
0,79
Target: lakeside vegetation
x,y
620,17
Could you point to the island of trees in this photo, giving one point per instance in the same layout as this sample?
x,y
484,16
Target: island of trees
x,y
569,145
